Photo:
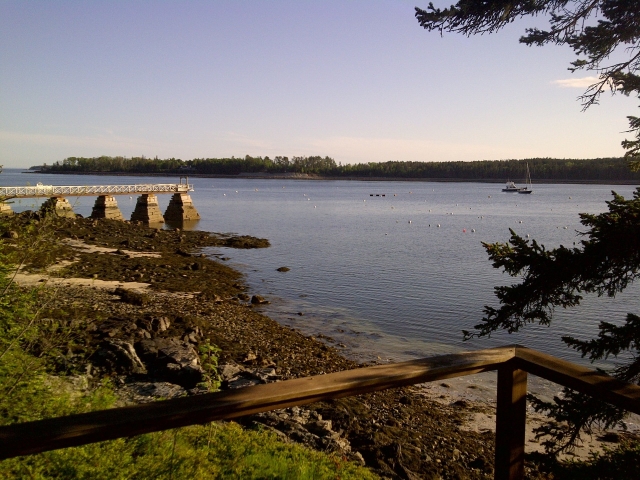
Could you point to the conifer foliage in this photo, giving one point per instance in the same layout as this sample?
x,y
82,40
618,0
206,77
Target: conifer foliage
x,y
608,259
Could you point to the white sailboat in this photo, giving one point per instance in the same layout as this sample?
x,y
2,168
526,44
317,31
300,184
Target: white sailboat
x,y
528,188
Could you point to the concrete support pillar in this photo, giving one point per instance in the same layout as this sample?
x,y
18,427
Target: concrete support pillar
x,y
106,207
60,206
181,208
5,209
147,210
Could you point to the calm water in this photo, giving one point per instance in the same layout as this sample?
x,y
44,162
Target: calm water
x,y
377,273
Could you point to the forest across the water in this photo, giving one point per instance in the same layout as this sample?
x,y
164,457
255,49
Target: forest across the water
x,y
542,169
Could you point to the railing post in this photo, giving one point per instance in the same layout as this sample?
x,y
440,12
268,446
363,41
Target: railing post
x,y
511,418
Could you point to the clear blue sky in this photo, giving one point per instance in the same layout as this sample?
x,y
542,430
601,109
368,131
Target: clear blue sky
x,y
359,81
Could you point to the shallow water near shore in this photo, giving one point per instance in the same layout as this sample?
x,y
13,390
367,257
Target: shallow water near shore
x,y
395,276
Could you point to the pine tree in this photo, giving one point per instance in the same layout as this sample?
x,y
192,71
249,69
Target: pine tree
x,y
608,259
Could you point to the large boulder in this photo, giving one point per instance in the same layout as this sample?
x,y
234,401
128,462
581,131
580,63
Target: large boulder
x,y
171,359
120,356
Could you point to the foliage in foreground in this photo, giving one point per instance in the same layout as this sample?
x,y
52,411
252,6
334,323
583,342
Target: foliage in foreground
x,y
611,464
607,262
211,451
605,36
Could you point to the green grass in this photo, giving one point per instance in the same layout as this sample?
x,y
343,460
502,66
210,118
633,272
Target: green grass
x,y
218,450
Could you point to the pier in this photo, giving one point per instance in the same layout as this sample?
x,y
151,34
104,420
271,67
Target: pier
x,y
146,211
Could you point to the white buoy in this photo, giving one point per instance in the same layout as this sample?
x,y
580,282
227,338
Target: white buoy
x,y
473,230
409,221
438,225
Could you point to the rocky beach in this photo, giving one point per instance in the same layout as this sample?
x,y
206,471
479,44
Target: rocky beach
x,y
148,309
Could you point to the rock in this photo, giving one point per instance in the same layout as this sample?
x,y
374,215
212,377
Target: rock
x,y
171,359
259,300
191,338
283,269
611,437
123,355
10,234
357,457
455,454
242,382
151,391
143,333
243,296
249,357
129,296
228,371
319,427
160,324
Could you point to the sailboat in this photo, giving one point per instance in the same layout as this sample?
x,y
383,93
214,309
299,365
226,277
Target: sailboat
x,y
528,188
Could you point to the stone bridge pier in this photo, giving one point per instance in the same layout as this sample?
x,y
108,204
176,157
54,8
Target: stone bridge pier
x,y
58,205
106,207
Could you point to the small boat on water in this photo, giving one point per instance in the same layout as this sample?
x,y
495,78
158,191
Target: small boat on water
x,y
528,187
511,187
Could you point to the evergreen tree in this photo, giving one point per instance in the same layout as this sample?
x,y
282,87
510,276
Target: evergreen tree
x,y
608,259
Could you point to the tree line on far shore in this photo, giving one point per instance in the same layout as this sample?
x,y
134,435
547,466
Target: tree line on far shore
x,y
597,169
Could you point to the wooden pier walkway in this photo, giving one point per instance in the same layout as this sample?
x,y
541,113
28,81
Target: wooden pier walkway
x,y
147,211
39,190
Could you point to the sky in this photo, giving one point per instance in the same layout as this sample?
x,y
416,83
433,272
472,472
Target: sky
x,y
359,81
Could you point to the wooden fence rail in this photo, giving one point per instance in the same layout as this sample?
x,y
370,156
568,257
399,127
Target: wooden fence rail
x,y
512,363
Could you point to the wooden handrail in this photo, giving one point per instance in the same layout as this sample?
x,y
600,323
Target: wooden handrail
x,y
73,430
512,362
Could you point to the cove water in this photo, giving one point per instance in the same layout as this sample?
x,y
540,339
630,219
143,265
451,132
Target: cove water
x,y
394,270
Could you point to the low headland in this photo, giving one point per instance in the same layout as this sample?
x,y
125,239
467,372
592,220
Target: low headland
x,y
543,170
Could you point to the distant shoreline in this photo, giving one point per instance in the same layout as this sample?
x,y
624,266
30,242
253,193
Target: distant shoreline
x,y
306,176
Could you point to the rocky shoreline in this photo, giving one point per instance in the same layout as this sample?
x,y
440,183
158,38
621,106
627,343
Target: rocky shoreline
x,y
147,306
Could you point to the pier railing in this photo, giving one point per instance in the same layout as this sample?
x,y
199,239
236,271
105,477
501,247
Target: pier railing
x,y
512,363
92,190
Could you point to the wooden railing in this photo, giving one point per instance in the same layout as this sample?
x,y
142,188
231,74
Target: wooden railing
x,y
512,363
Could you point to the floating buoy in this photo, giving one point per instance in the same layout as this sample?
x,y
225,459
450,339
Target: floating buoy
x,y
464,230
236,191
409,221
224,194
438,225
489,196
473,230
315,206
